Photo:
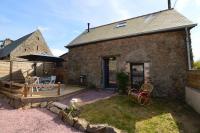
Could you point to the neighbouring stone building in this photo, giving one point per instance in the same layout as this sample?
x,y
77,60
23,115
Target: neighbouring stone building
x,y
10,51
32,43
156,46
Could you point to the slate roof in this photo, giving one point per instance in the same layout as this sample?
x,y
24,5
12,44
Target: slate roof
x,y
9,48
151,23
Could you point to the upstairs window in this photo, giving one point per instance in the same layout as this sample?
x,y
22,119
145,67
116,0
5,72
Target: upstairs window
x,y
121,24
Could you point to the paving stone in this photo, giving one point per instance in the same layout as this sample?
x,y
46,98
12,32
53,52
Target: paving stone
x,y
35,105
81,124
55,110
43,104
59,105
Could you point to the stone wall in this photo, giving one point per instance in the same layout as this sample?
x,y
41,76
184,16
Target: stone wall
x,y
61,70
34,44
164,52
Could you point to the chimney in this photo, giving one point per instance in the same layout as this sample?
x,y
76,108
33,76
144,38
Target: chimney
x,y
88,28
169,5
7,41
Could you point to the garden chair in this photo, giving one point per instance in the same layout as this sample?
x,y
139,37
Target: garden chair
x,y
143,95
36,81
48,81
53,80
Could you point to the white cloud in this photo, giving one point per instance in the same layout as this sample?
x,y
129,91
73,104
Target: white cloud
x,y
197,2
181,4
117,8
57,52
42,28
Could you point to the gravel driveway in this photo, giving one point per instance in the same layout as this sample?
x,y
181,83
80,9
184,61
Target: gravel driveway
x,y
30,121
40,120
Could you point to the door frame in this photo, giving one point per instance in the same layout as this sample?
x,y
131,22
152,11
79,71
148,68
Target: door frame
x,y
106,86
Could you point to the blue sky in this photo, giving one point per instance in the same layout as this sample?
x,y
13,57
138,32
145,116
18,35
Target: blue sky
x,y
60,21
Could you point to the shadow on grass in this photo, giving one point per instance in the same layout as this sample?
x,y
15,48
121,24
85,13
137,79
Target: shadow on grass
x,y
161,115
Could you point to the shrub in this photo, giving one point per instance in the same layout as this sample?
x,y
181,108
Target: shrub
x,y
197,65
122,82
73,109
91,86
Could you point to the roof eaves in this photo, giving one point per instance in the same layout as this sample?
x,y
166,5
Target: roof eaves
x,y
138,34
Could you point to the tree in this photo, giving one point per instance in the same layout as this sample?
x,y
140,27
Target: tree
x,y
197,65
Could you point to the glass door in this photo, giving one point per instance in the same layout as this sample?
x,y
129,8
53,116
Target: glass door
x,y
110,70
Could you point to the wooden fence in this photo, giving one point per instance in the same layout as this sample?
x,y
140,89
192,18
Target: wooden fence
x,y
193,79
28,88
17,90
11,89
21,69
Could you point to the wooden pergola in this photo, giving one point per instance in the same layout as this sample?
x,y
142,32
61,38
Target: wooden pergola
x,y
35,58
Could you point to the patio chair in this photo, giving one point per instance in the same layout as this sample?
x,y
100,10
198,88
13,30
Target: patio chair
x,y
143,95
36,81
53,80
48,81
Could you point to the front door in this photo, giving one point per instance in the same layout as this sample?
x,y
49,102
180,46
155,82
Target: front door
x,y
137,75
109,73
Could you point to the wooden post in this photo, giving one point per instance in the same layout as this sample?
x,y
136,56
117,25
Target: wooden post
x,y
35,68
11,67
10,84
59,87
25,90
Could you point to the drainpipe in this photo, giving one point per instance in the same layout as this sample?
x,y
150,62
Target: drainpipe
x,y
188,48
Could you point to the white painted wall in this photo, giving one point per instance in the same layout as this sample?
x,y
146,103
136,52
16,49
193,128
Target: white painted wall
x,y
193,98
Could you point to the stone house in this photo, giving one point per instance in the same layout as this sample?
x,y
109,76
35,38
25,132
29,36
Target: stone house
x,y
10,51
32,43
156,46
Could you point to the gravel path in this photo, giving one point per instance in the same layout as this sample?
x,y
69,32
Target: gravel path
x,y
30,121
40,120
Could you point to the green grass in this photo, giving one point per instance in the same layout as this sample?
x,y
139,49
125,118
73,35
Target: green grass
x,y
161,116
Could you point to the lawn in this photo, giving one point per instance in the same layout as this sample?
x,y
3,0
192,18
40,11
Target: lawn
x,y
161,116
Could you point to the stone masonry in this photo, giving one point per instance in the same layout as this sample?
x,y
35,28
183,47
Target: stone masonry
x,y
165,53
34,44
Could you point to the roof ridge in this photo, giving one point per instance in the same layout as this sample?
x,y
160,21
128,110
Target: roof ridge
x,y
9,48
132,18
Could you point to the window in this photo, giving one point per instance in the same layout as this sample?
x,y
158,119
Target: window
x,y
38,38
25,50
121,24
137,75
37,48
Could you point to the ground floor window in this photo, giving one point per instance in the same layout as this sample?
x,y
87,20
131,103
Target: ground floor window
x,y
137,75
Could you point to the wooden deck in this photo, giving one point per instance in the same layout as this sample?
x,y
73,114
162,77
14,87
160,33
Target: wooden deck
x,y
65,90
17,91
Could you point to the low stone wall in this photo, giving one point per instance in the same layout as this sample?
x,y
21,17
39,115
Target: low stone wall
x,y
192,91
80,123
193,98
193,79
